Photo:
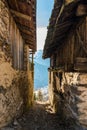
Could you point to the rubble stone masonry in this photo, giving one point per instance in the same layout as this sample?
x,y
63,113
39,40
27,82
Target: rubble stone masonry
x,y
16,93
4,21
69,100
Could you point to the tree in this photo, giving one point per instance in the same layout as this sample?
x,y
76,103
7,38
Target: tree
x,y
40,95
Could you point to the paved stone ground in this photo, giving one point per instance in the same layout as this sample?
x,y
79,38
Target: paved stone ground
x,y
41,117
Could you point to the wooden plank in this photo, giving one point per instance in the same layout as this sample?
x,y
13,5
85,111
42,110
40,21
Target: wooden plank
x,y
24,27
30,42
69,1
32,47
21,54
80,68
86,33
26,32
27,37
81,42
72,48
16,5
81,60
18,14
23,22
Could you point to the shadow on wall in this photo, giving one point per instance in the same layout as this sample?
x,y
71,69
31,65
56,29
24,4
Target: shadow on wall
x,y
69,100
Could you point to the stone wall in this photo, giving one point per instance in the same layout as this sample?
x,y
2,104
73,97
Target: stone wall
x,y
10,98
69,100
4,21
16,85
16,91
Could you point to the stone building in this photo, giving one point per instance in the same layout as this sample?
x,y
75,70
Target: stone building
x,y
66,46
17,46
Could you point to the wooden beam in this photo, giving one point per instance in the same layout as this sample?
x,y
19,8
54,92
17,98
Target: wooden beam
x,y
26,32
28,37
18,14
30,42
31,46
27,1
25,27
69,1
81,42
16,5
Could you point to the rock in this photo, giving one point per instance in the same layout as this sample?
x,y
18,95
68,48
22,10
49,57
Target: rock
x,y
16,123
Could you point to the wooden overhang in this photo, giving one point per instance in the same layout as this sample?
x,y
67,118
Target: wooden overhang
x,y
66,16
24,14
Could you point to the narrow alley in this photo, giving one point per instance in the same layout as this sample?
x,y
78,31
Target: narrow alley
x,y
41,117
65,107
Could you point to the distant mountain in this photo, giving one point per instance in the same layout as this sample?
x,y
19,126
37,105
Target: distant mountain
x,y
41,70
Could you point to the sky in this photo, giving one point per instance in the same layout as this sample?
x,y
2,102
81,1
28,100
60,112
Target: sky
x,y
44,9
